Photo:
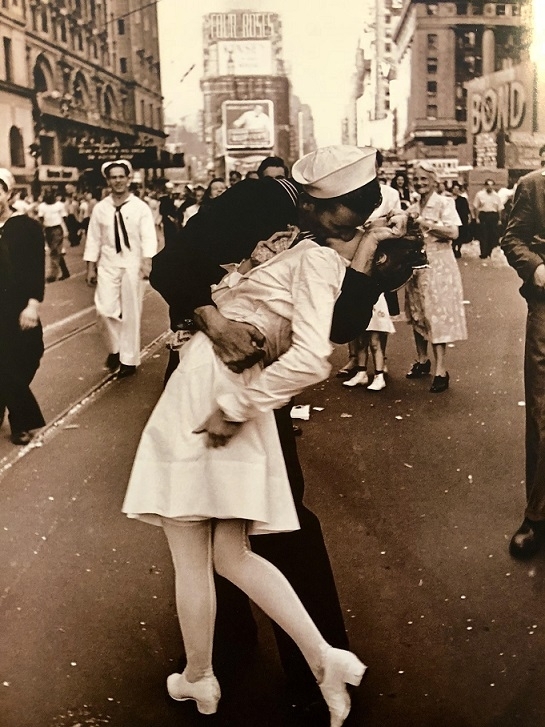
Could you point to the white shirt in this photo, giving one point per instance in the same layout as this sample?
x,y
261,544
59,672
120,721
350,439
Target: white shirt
x,y
391,203
100,242
487,201
294,293
52,214
20,206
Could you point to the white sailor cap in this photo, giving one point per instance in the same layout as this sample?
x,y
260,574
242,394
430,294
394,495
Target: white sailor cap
x,y
117,163
335,170
7,178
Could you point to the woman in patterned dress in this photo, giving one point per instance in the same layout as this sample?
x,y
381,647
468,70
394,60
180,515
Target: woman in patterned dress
x,y
434,296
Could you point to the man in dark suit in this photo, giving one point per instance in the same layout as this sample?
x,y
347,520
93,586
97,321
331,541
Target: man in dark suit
x,y
524,246
247,213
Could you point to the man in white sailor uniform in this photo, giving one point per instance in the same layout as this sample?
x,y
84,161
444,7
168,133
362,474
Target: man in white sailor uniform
x,y
121,240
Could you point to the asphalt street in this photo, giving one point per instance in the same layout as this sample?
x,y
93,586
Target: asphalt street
x,y
418,495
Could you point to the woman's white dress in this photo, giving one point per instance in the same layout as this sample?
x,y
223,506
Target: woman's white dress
x,y
381,320
434,297
290,299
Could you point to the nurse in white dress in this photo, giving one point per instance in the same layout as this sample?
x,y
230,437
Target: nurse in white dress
x,y
207,496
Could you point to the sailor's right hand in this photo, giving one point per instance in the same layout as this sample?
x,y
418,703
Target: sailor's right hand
x,y
91,276
239,345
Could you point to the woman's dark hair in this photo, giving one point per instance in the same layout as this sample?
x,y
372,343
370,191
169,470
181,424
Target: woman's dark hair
x,y
49,197
363,200
272,162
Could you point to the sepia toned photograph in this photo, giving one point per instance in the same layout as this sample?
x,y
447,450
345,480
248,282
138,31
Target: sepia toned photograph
x,y
272,363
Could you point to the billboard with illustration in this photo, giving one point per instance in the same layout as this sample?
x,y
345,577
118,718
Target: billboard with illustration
x,y
248,124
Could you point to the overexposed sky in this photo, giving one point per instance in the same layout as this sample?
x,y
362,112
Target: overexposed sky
x,y
319,40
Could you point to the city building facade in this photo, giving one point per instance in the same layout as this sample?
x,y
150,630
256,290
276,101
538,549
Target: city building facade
x,y
85,87
440,47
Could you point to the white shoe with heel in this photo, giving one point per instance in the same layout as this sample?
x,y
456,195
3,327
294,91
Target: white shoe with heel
x,y
206,692
339,669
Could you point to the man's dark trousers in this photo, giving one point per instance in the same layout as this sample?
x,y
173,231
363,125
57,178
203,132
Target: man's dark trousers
x,y
534,385
489,232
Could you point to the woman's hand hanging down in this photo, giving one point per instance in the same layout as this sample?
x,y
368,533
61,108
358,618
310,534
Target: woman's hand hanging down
x,y
219,431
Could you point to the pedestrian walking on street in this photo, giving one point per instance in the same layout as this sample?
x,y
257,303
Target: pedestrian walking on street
x,y
401,184
487,206
198,192
52,214
464,213
434,296
22,265
524,247
211,450
121,240
247,213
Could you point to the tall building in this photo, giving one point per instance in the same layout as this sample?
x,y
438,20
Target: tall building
x,y
370,119
246,91
440,46
81,80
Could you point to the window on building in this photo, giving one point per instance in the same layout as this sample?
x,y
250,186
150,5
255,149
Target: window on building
x,y
387,47
79,42
432,9
462,8
8,59
107,106
47,147
387,19
515,10
121,26
432,65
432,41
4,3
431,111
432,88
16,147
63,31
45,24
500,9
150,119
123,65
142,112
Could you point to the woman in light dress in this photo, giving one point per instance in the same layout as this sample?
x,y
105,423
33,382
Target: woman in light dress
x,y
434,295
209,497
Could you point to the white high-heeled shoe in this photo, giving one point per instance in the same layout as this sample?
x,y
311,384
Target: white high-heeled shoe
x,y
378,383
206,692
339,669
359,379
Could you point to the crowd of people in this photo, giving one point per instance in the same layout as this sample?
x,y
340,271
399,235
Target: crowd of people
x,y
261,276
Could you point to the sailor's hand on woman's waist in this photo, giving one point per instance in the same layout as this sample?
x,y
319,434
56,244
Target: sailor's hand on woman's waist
x,y
238,345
